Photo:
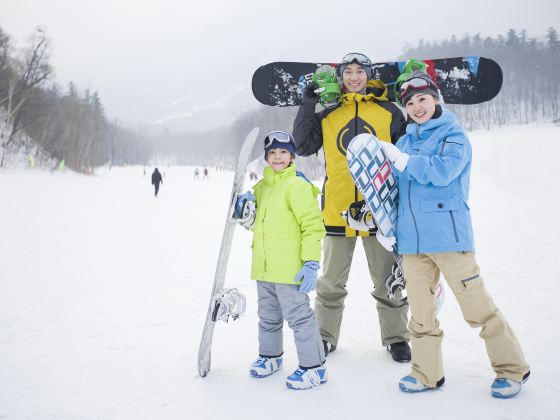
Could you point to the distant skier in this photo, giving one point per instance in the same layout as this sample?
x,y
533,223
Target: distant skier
x,y
205,174
196,173
432,162
156,180
287,233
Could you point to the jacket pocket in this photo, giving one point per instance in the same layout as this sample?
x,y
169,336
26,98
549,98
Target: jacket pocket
x,y
449,205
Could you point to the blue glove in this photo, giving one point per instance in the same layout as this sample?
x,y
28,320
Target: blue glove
x,y
240,203
309,275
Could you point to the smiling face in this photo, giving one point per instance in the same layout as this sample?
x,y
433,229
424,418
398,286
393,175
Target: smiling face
x,y
421,107
279,159
354,78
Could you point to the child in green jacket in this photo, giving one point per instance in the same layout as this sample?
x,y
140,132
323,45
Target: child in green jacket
x,y
287,233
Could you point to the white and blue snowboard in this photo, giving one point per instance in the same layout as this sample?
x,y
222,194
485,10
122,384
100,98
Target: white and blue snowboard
x,y
218,291
372,173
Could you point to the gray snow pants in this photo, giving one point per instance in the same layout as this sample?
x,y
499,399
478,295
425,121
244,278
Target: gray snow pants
x,y
279,302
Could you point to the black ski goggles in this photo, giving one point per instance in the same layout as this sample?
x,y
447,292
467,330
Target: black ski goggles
x,y
280,137
356,58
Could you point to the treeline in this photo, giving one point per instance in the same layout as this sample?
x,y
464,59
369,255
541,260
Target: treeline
x,y
531,88
38,118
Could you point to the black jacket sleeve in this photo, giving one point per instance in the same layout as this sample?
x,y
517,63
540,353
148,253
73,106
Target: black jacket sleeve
x,y
308,133
398,124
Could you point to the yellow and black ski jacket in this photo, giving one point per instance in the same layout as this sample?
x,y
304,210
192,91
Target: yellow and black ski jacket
x,y
332,129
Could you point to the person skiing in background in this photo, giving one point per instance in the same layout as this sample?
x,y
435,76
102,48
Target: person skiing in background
x,y
432,162
205,174
196,173
363,108
287,233
156,180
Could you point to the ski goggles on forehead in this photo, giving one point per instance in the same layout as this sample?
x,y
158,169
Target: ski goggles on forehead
x,y
356,58
415,84
279,136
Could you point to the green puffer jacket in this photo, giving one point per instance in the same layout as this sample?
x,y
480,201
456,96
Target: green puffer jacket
x,y
288,227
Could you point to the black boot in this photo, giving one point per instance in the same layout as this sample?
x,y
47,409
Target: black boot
x,y
400,352
329,348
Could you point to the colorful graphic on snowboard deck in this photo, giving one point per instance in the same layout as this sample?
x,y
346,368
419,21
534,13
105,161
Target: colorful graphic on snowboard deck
x,y
462,80
373,176
204,350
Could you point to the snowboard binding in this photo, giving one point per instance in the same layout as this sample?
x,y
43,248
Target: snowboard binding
x,y
230,303
329,89
396,282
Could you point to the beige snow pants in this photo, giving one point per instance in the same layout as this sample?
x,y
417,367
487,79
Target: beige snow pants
x,y
462,274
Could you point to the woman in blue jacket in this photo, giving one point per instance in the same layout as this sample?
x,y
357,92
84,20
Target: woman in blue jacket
x,y
434,234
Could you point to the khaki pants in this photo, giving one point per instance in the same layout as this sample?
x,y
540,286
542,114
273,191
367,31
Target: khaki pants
x,y
462,274
331,289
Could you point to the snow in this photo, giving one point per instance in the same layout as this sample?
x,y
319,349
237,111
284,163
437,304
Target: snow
x,y
104,290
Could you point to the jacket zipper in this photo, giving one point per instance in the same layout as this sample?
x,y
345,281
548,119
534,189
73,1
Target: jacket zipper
x,y
454,227
450,212
410,204
413,218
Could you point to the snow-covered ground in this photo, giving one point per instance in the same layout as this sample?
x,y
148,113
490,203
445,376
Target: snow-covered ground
x,y
104,290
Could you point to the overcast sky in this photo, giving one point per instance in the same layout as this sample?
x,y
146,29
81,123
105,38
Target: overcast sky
x,y
188,64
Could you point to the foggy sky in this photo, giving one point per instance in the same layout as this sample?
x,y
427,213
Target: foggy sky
x,y
171,64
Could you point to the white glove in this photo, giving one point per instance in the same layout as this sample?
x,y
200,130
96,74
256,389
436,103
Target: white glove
x,y
398,158
386,242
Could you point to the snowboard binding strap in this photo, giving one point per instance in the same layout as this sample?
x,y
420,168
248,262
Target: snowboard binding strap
x,y
229,303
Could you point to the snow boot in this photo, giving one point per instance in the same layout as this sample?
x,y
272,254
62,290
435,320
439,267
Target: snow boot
x,y
400,352
507,388
305,378
329,348
412,385
265,366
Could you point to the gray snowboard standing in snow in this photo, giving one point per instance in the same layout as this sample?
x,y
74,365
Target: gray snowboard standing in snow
x,y
225,302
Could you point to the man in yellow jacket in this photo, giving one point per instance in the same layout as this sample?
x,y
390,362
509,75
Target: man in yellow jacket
x,y
363,108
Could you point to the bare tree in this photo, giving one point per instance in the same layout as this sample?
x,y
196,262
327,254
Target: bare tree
x,y
26,75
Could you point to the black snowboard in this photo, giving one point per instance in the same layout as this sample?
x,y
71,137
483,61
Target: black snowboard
x,y
462,80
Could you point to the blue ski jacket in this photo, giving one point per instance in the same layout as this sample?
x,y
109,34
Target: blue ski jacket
x,y
433,211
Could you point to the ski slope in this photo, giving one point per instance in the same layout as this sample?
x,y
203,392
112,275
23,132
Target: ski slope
x,y
104,290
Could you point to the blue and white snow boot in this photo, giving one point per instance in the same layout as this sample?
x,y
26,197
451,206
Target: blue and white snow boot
x,y
265,366
410,384
507,388
305,378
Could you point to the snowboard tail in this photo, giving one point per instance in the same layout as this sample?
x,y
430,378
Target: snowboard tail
x,y
373,176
